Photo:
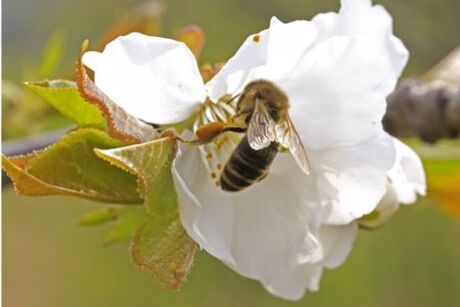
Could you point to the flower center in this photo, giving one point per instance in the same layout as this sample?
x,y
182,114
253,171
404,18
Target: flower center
x,y
216,153
220,111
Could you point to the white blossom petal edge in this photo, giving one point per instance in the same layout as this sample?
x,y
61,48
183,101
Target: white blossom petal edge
x,y
153,78
406,180
407,176
337,71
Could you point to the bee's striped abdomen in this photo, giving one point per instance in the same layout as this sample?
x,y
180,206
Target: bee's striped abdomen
x,y
246,166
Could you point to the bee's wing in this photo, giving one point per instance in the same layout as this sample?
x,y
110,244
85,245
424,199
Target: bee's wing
x,y
287,136
261,130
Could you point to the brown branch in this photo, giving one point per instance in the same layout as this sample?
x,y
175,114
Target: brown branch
x,y
427,110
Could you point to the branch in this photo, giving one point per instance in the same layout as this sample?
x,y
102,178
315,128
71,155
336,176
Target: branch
x,y
427,110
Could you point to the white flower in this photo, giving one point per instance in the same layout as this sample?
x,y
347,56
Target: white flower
x,y
406,179
337,71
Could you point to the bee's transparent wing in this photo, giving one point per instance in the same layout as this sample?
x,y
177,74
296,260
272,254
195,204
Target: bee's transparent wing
x,y
287,136
261,130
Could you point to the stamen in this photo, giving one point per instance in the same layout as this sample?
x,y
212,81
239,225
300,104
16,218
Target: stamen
x,y
219,112
204,119
197,123
209,114
230,110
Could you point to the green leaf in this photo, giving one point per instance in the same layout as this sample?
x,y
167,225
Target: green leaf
x,y
98,217
162,249
124,220
52,55
29,185
70,167
125,224
120,125
160,245
151,162
64,96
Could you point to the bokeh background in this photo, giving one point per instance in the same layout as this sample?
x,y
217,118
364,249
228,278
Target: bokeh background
x,y
48,260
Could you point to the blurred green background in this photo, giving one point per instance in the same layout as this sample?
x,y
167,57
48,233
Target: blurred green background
x,y
48,260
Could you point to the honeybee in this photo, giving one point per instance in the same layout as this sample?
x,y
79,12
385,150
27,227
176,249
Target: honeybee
x,y
262,114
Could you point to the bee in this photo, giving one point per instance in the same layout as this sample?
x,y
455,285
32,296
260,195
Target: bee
x,y
262,114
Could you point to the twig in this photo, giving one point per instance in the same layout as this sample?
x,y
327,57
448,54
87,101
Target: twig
x,y
427,110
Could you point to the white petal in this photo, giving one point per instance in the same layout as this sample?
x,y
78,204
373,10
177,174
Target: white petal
x,y
209,224
347,74
358,18
259,232
355,177
337,242
386,208
335,94
270,54
407,176
152,78
269,231
406,180
291,284
335,245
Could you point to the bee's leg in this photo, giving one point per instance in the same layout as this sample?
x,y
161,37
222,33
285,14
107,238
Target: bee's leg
x,y
236,129
207,133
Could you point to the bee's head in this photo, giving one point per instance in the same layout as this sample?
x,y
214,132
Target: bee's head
x,y
267,92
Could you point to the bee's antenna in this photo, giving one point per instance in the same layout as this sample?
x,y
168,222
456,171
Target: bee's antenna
x,y
234,97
